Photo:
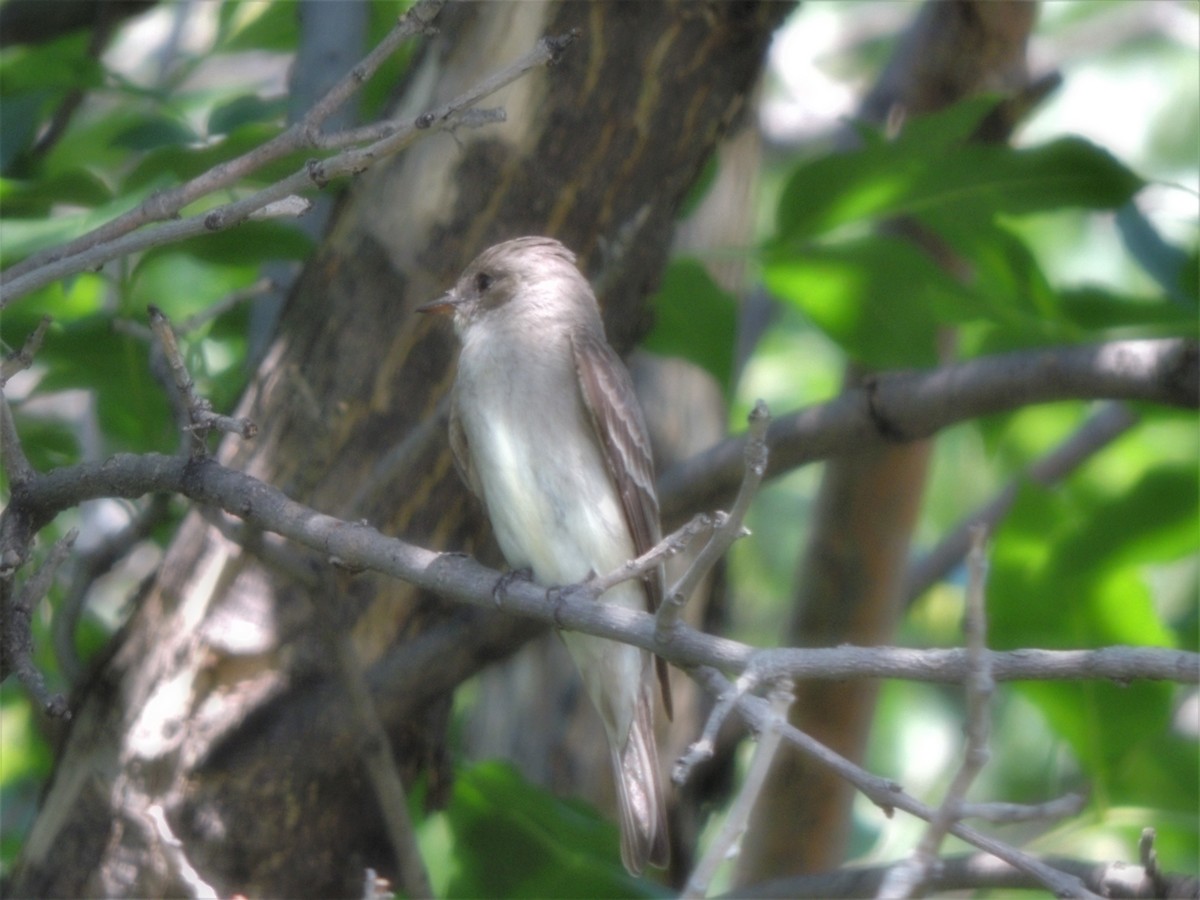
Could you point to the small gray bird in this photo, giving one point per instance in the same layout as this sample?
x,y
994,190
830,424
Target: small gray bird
x,y
547,432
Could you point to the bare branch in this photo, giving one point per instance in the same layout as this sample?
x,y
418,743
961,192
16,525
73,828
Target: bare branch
x,y
463,580
16,638
729,528
889,795
303,133
903,406
780,700
702,749
23,358
1060,808
672,545
201,418
908,878
11,452
316,173
975,871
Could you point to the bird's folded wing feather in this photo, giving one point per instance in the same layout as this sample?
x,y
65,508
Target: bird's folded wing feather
x,y
462,453
617,419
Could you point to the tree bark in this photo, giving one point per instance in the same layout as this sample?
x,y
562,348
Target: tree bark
x,y
216,719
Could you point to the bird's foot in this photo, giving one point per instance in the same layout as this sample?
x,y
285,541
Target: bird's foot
x,y
559,595
503,582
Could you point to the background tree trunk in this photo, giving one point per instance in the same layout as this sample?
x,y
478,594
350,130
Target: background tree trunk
x,y
216,712
850,582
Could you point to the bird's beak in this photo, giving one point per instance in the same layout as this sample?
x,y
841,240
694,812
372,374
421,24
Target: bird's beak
x,y
442,306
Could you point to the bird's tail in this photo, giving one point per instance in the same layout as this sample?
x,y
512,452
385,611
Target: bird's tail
x,y
639,793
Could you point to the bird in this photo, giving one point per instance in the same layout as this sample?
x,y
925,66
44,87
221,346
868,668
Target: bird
x,y
547,432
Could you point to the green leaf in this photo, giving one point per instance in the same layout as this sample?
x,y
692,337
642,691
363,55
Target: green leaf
x,y
1189,278
1154,521
840,188
946,128
48,443
36,197
21,237
1069,172
1163,262
512,839
926,172
60,65
1048,590
245,110
1103,723
131,407
694,319
157,278
258,26
241,245
1021,307
1061,577
73,298
881,299
1098,310
89,143
20,117
155,131
167,165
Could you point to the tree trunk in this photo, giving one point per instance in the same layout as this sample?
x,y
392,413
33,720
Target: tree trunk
x,y
216,720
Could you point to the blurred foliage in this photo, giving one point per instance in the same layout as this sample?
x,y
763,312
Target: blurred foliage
x,y
1064,241
501,836
1061,244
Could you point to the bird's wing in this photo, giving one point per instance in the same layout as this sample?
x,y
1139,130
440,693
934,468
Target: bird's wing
x,y
617,419
462,453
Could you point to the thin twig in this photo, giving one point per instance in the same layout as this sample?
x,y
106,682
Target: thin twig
x,y
12,454
201,418
907,879
16,618
702,749
972,873
23,358
219,218
315,173
724,843
888,795
1063,807
727,531
672,545
301,134
445,117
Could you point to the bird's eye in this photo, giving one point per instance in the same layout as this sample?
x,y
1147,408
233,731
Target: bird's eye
x,y
483,281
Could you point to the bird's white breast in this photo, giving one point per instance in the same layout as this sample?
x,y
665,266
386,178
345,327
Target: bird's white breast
x,y
548,493
552,504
